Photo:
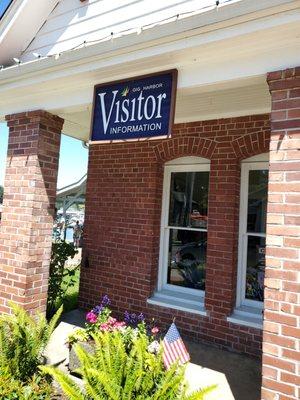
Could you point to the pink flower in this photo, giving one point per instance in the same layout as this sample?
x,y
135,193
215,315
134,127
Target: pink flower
x,y
91,317
119,325
111,321
155,330
105,327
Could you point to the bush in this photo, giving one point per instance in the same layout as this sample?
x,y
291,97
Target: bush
x,y
115,372
37,388
23,339
61,252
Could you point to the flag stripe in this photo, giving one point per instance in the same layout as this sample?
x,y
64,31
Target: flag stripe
x,y
179,349
173,348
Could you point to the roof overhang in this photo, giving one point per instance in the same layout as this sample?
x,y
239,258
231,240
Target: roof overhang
x,y
19,25
222,57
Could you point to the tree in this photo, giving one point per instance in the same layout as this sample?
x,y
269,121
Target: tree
x,y
1,194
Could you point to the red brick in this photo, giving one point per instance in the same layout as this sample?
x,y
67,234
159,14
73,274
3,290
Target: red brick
x,y
28,208
126,203
285,160
279,386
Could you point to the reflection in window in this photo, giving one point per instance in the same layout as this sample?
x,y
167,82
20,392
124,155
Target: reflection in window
x,y
188,199
187,258
255,268
254,241
187,228
257,201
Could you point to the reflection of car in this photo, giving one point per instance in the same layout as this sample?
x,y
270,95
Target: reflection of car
x,y
190,253
190,263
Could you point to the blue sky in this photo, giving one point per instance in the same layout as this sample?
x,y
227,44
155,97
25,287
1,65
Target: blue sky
x,y
3,6
72,162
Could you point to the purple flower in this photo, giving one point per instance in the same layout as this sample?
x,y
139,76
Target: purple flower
x,y
97,310
105,301
133,319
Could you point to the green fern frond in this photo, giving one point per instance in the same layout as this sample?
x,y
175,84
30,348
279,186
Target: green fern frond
x,y
53,322
67,384
201,393
23,339
116,371
103,379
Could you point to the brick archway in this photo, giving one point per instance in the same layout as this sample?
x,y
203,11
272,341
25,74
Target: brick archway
x,y
251,145
180,147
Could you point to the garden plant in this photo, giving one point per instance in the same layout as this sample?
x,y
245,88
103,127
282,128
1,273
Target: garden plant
x,y
23,339
126,362
59,275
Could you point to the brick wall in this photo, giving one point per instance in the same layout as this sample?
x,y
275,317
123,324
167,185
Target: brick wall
x,y
28,207
281,341
123,209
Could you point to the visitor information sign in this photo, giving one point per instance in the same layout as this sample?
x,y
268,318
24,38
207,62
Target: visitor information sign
x,y
141,107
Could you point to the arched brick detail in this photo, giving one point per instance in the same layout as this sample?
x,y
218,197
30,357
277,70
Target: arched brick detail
x,y
184,146
251,144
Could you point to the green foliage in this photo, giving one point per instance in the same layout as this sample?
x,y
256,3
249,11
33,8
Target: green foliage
x,y
23,339
78,335
37,388
114,373
1,194
61,279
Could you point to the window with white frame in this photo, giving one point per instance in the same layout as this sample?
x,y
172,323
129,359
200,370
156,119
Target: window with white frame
x,y
184,225
252,231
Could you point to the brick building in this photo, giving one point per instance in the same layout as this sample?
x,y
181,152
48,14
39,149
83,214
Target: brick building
x,y
202,226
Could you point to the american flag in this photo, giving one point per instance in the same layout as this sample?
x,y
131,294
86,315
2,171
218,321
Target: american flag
x,y
174,348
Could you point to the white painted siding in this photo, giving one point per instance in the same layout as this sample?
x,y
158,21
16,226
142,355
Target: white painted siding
x,y
72,22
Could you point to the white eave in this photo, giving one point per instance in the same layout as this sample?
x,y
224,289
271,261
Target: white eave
x,y
72,189
19,25
222,49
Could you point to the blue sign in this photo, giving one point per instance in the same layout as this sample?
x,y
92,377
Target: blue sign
x,y
141,107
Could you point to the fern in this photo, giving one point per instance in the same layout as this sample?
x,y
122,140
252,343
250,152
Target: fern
x,y
112,373
67,384
200,394
23,339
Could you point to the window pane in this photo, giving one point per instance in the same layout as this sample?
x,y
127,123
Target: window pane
x,y
257,201
188,199
255,268
187,258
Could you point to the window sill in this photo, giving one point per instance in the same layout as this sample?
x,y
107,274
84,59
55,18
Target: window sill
x,y
178,301
247,316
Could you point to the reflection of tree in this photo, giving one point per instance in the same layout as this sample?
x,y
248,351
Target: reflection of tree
x,y
254,286
189,193
257,200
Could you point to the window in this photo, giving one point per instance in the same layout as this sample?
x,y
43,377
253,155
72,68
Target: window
x,y
184,226
252,232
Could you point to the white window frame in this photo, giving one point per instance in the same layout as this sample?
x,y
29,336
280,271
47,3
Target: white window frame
x,y
183,164
253,163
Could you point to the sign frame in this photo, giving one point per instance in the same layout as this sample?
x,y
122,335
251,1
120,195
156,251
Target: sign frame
x,y
173,72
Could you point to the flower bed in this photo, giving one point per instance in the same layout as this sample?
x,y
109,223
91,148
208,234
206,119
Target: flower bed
x,y
100,320
122,359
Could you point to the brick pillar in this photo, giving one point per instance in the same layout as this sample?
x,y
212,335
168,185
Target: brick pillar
x,y
221,271
29,201
281,337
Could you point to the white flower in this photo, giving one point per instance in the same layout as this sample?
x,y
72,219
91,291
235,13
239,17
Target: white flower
x,y
154,347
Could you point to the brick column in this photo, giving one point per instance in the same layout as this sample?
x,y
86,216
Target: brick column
x,y
221,271
281,338
29,201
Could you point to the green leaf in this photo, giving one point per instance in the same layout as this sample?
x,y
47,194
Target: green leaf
x,y
67,384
